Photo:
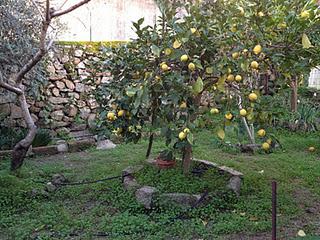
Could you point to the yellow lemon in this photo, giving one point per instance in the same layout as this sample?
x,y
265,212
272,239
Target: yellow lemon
x,y
182,135
186,130
192,66
243,112
265,146
254,65
214,111
167,51
230,78
121,113
235,55
183,105
260,14
312,149
253,97
193,30
261,133
257,49
228,116
111,116
164,67
184,58
305,14
238,78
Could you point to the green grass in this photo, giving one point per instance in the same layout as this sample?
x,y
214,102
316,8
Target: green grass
x,y
80,212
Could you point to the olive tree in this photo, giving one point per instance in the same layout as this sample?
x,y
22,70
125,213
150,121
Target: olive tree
x,y
26,37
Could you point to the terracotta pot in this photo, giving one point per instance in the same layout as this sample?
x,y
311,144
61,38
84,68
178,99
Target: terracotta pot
x,y
162,164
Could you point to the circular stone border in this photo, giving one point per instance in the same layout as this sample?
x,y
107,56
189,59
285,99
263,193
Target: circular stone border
x,y
146,195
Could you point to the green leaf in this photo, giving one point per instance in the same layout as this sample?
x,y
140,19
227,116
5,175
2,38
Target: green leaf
x,y
198,86
190,138
306,42
155,50
131,92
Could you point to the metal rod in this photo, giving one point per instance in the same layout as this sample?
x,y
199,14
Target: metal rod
x,y
274,210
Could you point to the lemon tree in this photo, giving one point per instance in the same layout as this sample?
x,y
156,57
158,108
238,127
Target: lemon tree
x,y
230,49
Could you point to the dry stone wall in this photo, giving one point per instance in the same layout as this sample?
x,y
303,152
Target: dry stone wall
x,y
67,101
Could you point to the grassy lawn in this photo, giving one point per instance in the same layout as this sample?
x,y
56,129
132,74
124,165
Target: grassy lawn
x,y
86,211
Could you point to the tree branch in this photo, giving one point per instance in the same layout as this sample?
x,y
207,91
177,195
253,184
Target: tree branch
x,y
70,9
10,88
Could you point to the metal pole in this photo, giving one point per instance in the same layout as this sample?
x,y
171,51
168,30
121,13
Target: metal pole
x,y
274,210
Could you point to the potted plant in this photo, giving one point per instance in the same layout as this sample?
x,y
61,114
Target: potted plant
x,y
166,159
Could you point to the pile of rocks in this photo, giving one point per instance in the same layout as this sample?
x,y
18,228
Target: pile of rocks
x,y
67,98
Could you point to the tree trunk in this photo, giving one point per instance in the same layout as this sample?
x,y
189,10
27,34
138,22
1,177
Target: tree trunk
x,y
187,158
294,95
21,148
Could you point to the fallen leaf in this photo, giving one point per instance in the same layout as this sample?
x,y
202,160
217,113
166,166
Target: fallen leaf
x,y
242,214
261,172
301,233
204,222
253,218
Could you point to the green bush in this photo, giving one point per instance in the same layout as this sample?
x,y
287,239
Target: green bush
x,y
42,138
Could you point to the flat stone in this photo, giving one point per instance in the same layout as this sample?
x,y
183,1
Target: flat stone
x,y
130,183
16,112
76,61
51,69
145,196
56,92
231,171
81,65
65,58
58,100
58,179
59,124
234,184
85,112
81,145
74,95
80,87
57,115
46,150
78,53
71,111
92,120
78,127
4,110
50,187
130,170
62,147
180,199
60,85
70,85
105,145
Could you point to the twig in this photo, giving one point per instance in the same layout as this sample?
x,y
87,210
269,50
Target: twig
x,y
70,9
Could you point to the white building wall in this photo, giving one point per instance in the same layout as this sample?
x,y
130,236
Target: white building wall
x,y
314,79
105,20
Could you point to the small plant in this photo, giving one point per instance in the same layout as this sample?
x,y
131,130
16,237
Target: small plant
x,y
166,155
42,138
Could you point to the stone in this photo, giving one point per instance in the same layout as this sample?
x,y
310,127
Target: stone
x,y
80,87
16,112
70,85
57,115
130,170
145,196
68,119
85,112
40,104
57,65
50,187
46,150
6,96
56,77
81,104
92,103
78,53
81,134
21,123
57,107
58,179
62,147
80,145
65,58
105,79
76,61
4,110
74,95
56,92
234,184
78,127
180,199
81,65
92,120
56,124
105,145
33,109
51,69
130,183
58,100
71,110
60,84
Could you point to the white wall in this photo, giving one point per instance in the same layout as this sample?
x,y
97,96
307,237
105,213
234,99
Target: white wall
x,y
105,20
314,79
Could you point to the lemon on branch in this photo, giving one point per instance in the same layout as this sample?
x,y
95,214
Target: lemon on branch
x,y
121,113
182,135
228,116
265,146
238,78
214,111
192,67
253,97
257,49
184,58
261,133
254,65
243,112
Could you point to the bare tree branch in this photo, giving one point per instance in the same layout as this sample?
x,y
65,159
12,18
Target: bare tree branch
x,y
37,7
70,9
10,88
